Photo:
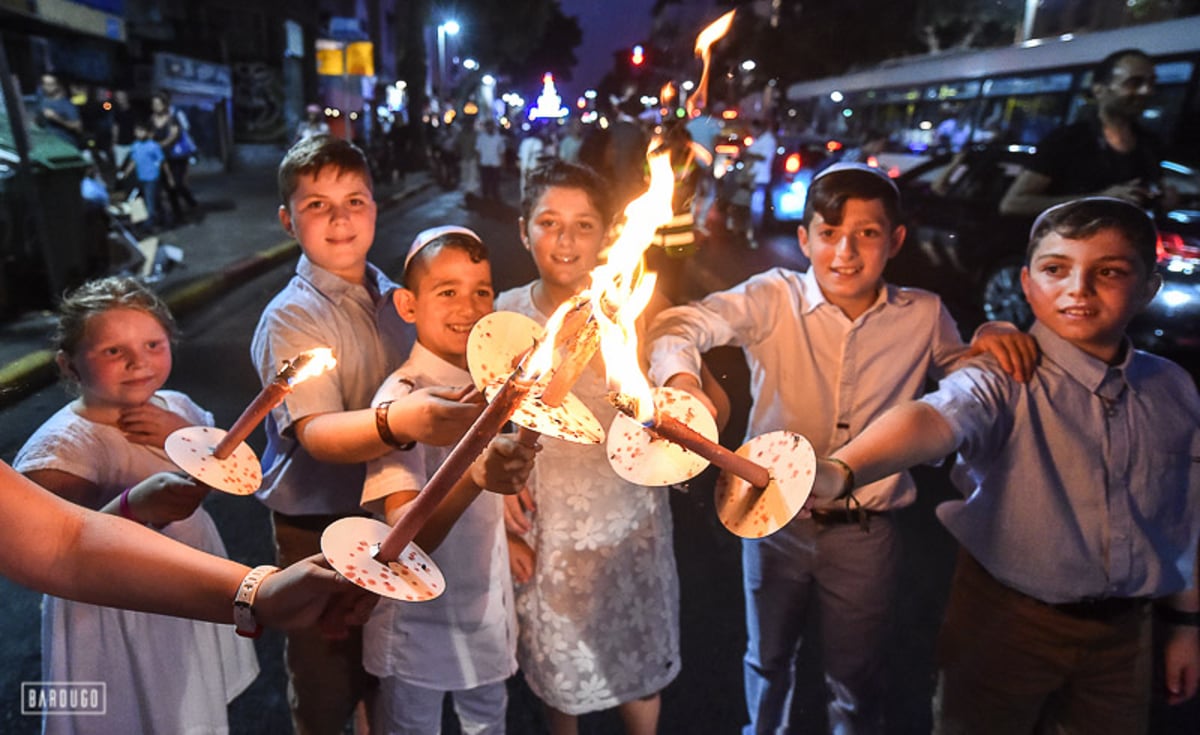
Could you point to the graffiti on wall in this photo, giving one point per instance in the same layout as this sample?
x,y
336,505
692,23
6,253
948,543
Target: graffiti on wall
x,y
258,103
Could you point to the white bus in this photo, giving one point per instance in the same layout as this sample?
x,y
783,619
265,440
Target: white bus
x,y
1013,95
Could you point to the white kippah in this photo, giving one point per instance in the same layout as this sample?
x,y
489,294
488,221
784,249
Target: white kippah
x,y
427,236
842,167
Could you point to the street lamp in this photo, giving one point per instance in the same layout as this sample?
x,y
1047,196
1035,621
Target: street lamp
x,y
449,27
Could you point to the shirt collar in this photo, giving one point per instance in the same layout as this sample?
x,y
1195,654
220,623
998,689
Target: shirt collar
x,y
814,298
1090,372
423,362
377,285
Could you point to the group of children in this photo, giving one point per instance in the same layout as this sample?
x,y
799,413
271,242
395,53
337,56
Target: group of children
x,y
1054,426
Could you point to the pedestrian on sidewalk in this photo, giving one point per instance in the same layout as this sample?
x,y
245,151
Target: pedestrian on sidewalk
x,y
171,133
490,146
146,161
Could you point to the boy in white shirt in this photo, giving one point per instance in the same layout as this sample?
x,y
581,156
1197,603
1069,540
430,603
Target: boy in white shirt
x,y
464,642
828,350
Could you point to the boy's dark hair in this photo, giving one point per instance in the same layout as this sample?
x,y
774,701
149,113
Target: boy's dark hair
x,y
1102,73
1082,218
831,188
418,265
312,155
571,176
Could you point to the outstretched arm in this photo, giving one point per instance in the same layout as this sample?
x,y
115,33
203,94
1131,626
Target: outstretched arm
x,y
907,435
68,551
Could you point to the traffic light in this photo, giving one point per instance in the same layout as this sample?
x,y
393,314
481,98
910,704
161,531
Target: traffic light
x,y
638,57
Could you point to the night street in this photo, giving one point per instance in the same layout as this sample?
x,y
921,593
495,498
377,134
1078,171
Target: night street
x,y
212,365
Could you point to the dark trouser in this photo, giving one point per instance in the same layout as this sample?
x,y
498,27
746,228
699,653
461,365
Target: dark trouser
x,y
489,182
177,187
848,575
1009,664
326,679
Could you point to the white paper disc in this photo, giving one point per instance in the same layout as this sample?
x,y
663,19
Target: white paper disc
x,y
191,448
496,342
348,545
752,513
643,458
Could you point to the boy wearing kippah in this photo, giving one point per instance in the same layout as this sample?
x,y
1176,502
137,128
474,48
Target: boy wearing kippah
x,y
828,350
1085,498
463,643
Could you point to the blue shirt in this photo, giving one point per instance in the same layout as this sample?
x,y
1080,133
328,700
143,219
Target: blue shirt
x,y
1086,479
319,309
147,157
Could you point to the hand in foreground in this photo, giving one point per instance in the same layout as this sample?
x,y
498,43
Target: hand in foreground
x,y
1015,350
517,509
521,559
149,424
309,592
691,384
1181,655
439,416
505,465
165,497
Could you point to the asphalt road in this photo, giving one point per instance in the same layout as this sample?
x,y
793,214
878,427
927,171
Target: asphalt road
x,y
706,698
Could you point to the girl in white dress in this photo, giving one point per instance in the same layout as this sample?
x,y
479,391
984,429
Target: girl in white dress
x,y
162,674
598,593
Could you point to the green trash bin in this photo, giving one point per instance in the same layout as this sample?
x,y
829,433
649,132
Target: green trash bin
x,y
62,236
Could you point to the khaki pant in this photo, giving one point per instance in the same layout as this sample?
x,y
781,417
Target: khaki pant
x,y
326,679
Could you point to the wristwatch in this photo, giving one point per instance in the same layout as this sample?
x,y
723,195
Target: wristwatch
x,y
243,603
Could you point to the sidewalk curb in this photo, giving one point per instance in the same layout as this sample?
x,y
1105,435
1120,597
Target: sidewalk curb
x,y
35,370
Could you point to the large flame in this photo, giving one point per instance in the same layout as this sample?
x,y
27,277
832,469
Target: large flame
x,y
622,288
710,35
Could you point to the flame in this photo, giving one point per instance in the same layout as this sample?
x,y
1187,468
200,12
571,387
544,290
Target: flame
x,y
622,288
667,95
710,35
310,364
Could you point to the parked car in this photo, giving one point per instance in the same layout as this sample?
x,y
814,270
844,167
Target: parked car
x,y
961,246
797,159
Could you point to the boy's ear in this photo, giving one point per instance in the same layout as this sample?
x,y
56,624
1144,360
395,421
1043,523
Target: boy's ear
x,y
898,235
802,238
405,302
285,220
1153,284
523,232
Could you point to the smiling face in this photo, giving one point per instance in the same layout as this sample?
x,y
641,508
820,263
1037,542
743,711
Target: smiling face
x,y
848,258
451,294
122,359
1128,92
565,233
332,215
1088,290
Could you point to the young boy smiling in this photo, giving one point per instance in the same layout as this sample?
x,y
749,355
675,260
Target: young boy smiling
x,y
1099,455
464,642
828,350
319,438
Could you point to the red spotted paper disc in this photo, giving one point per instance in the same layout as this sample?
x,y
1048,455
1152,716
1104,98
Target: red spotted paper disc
x,y
646,459
496,343
191,448
753,513
349,545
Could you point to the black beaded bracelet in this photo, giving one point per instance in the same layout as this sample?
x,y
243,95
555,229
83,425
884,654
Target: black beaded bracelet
x,y
1174,616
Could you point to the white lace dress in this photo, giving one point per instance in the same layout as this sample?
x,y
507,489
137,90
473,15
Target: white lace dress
x,y
162,674
599,620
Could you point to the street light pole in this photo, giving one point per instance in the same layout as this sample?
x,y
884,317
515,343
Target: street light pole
x,y
449,27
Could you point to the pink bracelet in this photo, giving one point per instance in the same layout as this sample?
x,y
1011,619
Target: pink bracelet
x,y
126,510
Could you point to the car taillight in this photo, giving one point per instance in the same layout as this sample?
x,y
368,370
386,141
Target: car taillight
x,y
1171,246
833,146
792,163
